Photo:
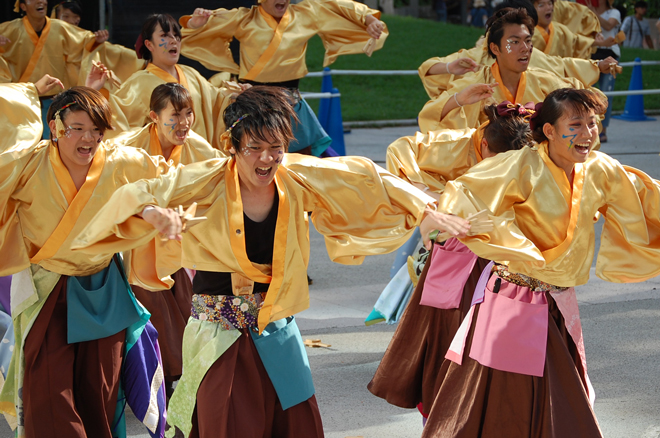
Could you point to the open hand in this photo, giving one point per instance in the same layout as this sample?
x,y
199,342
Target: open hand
x,y
47,83
4,40
606,64
97,76
434,220
374,27
166,220
101,36
463,65
200,18
476,93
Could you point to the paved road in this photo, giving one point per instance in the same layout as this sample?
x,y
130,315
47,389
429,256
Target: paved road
x,y
620,325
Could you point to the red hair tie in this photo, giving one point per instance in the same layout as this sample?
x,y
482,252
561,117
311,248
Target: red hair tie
x,y
534,120
138,46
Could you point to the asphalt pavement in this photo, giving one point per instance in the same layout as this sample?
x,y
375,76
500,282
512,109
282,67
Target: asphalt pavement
x,y
620,324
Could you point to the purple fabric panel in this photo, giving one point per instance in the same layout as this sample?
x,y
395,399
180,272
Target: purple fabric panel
x,y
329,153
141,363
5,296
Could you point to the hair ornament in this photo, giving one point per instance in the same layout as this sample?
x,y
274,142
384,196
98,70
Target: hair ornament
x,y
17,8
534,120
507,108
225,138
60,130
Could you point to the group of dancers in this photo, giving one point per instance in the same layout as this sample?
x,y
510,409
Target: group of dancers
x,y
159,233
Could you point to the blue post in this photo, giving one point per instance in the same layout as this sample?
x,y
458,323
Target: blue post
x,y
324,105
634,110
335,127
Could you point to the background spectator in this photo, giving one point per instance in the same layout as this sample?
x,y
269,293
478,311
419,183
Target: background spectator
x,y
479,14
636,28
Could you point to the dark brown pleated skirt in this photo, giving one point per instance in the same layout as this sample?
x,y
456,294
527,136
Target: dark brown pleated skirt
x,y
170,310
69,390
236,399
409,372
476,401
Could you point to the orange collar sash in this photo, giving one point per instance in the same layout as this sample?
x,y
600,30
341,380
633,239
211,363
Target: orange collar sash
x,y
572,195
162,74
548,36
273,274
39,43
520,91
274,43
77,199
156,149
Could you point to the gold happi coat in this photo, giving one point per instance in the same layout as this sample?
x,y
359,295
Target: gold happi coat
x,y
5,73
130,104
578,18
57,52
122,61
437,157
534,85
560,41
331,189
275,52
584,70
43,211
163,256
20,114
544,227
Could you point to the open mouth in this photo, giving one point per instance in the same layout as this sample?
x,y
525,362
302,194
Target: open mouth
x,y
85,151
280,7
524,59
173,51
582,148
548,16
41,8
263,172
181,135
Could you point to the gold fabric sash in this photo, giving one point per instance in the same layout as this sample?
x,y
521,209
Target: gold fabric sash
x,y
156,149
77,200
39,43
162,74
274,43
522,84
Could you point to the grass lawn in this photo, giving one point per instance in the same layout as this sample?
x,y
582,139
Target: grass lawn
x,y
411,42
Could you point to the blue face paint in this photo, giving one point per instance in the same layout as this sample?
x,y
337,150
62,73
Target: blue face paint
x,y
171,125
572,139
163,44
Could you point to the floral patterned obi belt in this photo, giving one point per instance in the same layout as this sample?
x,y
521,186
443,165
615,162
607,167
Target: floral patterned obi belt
x,y
230,311
535,285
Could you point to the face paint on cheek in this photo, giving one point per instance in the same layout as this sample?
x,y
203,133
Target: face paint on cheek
x,y
572,139
508,46
163,44
171,125
246,151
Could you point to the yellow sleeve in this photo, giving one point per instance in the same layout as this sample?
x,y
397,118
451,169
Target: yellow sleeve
x,y
432,159
16,168
130,103
578,18
359,207
341,26
496,185
210,43
5,73
630,241
115,228
584,70
216,100
76,42
20,109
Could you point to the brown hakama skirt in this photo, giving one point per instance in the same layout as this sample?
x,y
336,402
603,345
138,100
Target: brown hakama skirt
x,y
477,401
69,390
236,399
409,373
170,310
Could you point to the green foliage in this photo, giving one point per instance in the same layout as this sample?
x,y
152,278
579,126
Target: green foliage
x,y
411,42
653,10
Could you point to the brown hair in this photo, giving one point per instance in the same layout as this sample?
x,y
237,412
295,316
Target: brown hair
x,y
83,99
263,111
73,6
500,19
562,101
170,92
167,23
506,133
